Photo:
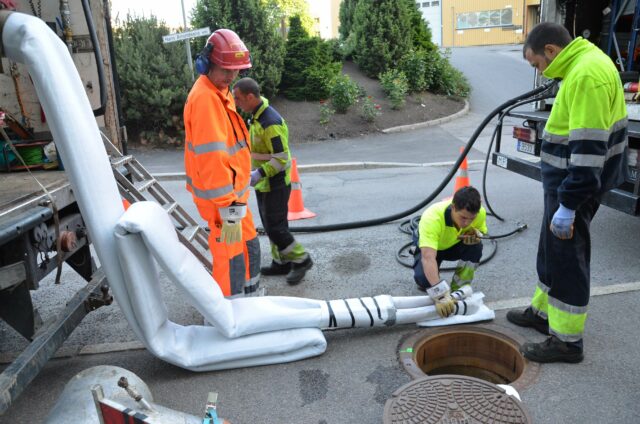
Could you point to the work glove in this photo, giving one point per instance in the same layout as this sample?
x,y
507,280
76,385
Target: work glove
x,y
472,236
231,231
562,223
255,177
441,296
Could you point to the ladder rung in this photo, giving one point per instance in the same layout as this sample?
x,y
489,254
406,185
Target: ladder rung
x,y
145,184
190,232
117,162
170,207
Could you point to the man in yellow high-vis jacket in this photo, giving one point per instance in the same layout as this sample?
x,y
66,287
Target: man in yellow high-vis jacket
x,y
583,155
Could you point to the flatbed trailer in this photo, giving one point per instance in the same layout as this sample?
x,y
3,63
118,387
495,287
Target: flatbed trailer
x,y
42,228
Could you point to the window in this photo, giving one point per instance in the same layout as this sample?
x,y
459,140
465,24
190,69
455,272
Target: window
x,y
425,4
494,18
435,3
506,16
484,19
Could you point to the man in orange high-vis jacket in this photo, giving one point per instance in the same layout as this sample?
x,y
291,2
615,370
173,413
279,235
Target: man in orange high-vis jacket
x,y
217,160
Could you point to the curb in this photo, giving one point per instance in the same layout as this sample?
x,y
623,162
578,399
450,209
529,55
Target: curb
x,y
431,123
340,166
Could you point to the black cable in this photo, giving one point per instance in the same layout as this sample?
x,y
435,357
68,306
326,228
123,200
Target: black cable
x,y
493,138
98,55
443,183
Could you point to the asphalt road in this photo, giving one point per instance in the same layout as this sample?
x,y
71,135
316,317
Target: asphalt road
x,y
360,369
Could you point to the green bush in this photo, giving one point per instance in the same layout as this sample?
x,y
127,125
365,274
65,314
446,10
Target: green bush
x,y
319,81
443,77
413,64
369,109
309,65
394,84
325,112
344,93
154,80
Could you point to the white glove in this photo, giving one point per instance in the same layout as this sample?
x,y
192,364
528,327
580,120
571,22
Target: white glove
x,y
472,236
231,231
255,177
562,223
441,295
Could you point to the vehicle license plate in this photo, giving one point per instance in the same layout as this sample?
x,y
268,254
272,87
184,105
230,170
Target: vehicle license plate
x,y
525,147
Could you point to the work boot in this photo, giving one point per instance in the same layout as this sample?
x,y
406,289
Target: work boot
x,y
299,270
553,350
276,269
528,318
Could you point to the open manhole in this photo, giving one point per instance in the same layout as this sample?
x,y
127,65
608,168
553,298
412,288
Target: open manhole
x,y
483,351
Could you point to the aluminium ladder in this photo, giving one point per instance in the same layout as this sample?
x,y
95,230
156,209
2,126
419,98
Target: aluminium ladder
x,y
134,180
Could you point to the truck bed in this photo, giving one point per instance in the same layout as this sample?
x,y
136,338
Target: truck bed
x,y
18,190
23,203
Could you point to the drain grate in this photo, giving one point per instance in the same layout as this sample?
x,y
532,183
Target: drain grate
x,y
453,399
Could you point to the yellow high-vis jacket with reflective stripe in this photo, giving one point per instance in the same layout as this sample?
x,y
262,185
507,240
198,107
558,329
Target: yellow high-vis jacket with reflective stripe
x,y
270,147
584,148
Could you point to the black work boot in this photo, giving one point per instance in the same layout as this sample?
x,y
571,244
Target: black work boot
x,y
553,350
276,269
299,270
528,318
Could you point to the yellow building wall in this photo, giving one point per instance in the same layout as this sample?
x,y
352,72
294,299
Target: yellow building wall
x,y
455,36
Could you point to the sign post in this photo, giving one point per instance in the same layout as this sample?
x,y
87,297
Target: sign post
x,y
186,36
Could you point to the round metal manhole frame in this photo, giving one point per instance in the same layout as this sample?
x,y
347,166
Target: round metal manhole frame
x,y
412,347
453,399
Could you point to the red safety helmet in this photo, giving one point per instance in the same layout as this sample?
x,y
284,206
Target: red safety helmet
x,y
229,52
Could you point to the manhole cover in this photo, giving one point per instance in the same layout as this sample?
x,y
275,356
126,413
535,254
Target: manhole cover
x,y
487,352
453,399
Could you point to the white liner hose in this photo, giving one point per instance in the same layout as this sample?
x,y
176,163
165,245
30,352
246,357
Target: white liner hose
x,y
131,245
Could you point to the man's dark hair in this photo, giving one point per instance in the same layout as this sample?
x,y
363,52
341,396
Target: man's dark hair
x,y
543,34
248,86
467,198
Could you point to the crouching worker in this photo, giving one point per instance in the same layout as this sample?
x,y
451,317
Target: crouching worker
x,y
449,230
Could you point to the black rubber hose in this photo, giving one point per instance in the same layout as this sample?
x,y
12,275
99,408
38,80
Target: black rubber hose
x,y
493,138
115,75
98,55
441,186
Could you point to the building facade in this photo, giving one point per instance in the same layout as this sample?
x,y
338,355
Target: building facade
x,y
458,23
487,22
432,14
326,17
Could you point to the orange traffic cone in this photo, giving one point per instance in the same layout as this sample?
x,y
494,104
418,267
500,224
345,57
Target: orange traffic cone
x,y
462,179
296,204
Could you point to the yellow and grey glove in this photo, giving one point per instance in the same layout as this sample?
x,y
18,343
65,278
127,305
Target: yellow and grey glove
x,y
441,295
472,236
231,231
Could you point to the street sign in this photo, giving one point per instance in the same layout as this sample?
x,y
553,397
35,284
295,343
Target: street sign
x,y
185,35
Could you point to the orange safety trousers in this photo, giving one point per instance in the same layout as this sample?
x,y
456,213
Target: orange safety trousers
x,y
231,262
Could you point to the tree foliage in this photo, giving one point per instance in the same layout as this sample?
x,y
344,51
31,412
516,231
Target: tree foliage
x,y
257,29
420,31
347,10
381,36
309,68
282,10
154,78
